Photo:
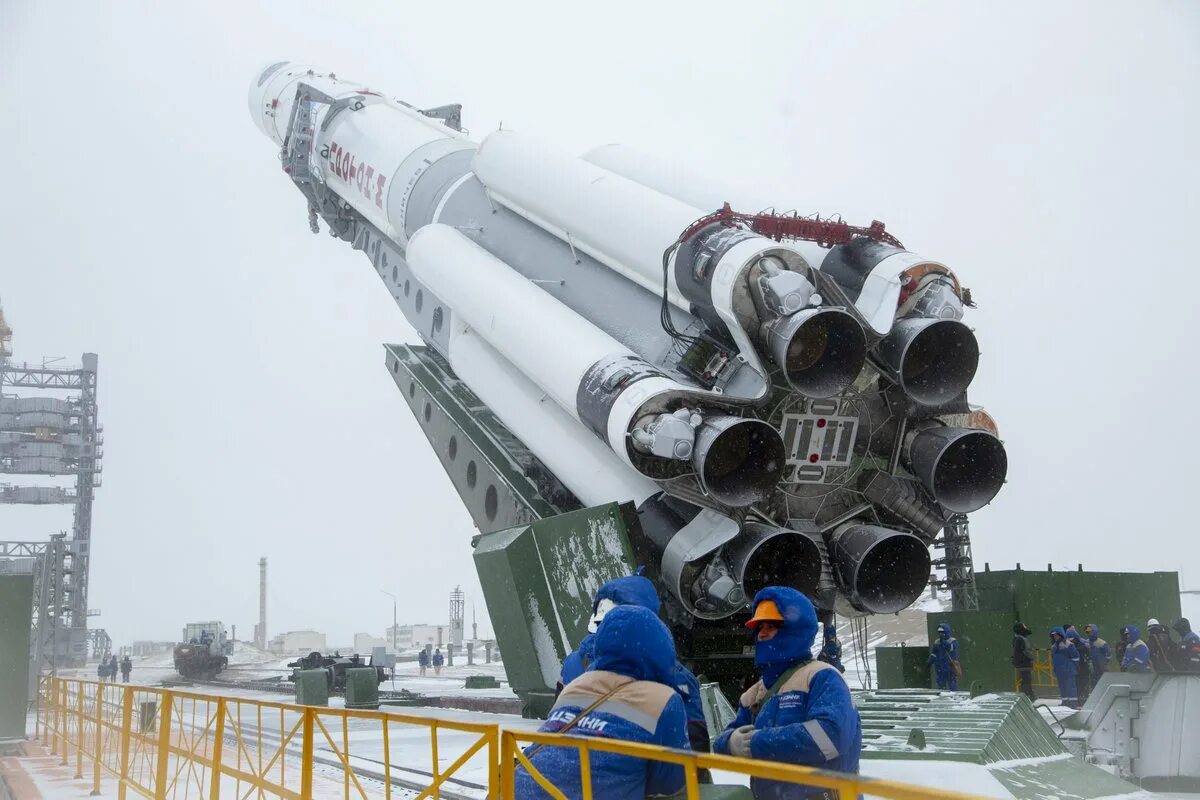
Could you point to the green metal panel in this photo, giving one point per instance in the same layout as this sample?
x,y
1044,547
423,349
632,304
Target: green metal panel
x,y
902,667
538,581
500,482
312,687
362,687
1045,599
481,682
984,647
982,730
1003,733
16,613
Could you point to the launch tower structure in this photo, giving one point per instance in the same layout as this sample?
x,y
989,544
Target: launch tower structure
x,y
458,616
55,432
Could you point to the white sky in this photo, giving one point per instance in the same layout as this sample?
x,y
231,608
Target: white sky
x,y
1047,152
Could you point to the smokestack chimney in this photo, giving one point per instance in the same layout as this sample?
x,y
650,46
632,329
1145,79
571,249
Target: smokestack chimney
x,y
261,630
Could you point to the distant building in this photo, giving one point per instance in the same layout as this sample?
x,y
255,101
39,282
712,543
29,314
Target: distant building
x,y
297,643
148,648
365,643
409,637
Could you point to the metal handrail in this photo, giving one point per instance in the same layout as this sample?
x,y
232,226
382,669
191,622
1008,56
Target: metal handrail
x,y
847,785
201,740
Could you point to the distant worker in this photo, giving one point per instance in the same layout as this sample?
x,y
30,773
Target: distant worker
x,y
1162,647
943,655
831,650
102,669
636,590
423,661
1189,646
438,660
1083,675
126,668
1099,650
1065,660
1122,644
1022,659
1137,653
627,694
801,711
114,666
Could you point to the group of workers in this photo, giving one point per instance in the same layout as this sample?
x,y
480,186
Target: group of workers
x,y
425,659
106,670
1079,661
625,682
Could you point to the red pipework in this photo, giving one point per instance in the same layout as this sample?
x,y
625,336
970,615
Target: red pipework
x,y
824,232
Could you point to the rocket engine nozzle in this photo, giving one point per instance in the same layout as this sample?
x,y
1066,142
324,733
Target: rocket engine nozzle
x,y
820,350
738,461
881,571
932,360
963,468
764,555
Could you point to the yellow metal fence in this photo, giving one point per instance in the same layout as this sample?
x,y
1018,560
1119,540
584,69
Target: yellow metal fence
x,y
164,744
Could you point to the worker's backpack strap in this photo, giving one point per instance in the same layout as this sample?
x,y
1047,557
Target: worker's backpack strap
x,y
600,701
775,689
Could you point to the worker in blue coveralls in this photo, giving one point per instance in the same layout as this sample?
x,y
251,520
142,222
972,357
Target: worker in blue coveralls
x,y
1098,649
800,712
1064,658
1189,646
831,650
1083,674
636,590
437,661
1137,654
423,661
943,655
628,694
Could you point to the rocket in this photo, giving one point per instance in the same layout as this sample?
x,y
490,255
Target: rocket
x,y
781,399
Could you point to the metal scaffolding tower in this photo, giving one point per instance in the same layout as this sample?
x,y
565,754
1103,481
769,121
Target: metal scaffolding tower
x,y
955,542
458,613
53,434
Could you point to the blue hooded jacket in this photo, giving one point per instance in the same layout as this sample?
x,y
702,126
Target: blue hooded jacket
x,y
944,652
635,590
1099,650
811,720
632,643
1063,655
1137,654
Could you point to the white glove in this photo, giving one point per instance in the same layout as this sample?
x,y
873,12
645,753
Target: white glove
x,y
739,741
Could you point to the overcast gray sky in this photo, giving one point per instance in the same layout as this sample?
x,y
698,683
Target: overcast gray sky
x,y
1048,152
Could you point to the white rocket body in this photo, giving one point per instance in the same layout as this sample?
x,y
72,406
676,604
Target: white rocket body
x,y
643,351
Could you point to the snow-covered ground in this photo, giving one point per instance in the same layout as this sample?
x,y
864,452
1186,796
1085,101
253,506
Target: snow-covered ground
x,y
249,663
907,627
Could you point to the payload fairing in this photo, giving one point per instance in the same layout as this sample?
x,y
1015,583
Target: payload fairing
x,y
783,400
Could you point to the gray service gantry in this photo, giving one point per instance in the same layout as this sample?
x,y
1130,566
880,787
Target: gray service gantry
x,y
53,433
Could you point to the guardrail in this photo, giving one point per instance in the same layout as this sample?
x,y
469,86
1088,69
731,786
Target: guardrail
x,y
164,744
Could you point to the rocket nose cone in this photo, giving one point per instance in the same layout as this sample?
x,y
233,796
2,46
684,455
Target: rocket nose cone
x,y
256,98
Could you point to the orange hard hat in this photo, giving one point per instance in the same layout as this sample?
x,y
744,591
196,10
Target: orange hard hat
x,y
766,611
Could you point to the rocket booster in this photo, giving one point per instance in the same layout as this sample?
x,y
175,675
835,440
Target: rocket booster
x,y
780,406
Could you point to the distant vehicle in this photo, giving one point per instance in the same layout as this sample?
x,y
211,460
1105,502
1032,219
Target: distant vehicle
x,y
200,661
335,667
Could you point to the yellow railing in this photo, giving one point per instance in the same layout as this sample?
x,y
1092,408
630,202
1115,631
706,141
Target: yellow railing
x,y
165,744
1044,682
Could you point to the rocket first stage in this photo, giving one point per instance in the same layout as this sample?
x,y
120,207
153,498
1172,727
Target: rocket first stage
x,y
782,399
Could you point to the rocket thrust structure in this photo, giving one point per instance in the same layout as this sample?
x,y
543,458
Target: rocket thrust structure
x,y
783,400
